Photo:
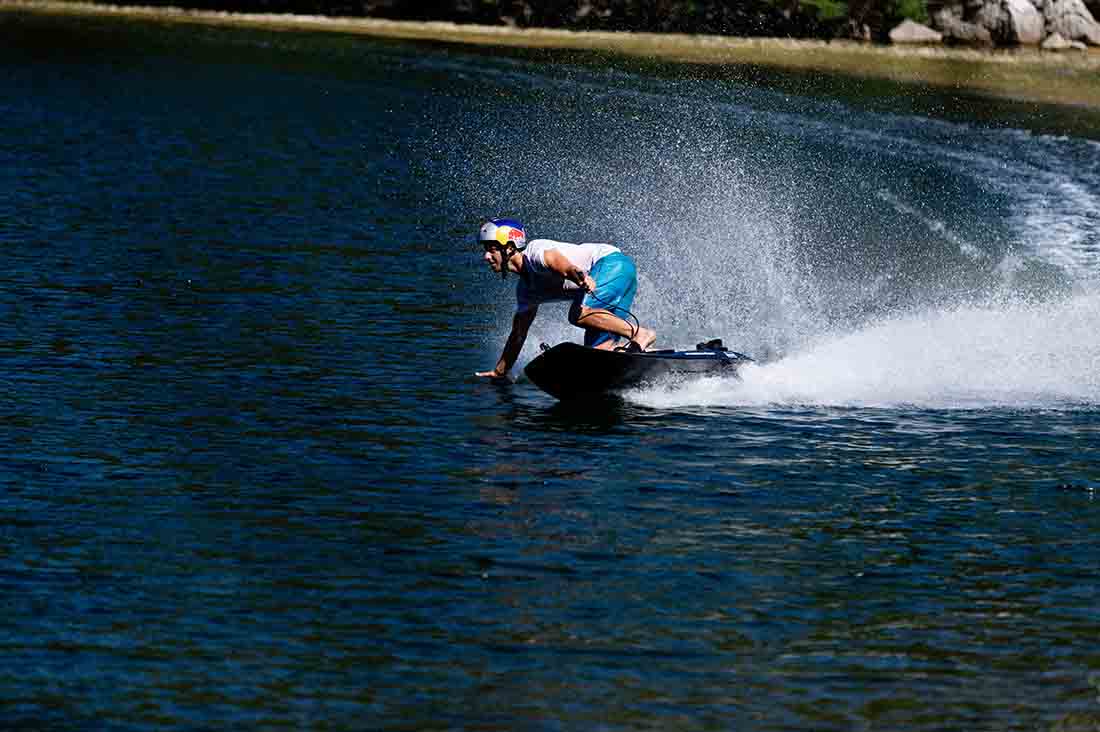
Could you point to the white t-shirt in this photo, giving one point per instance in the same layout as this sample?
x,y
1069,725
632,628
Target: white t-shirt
x,y
538,283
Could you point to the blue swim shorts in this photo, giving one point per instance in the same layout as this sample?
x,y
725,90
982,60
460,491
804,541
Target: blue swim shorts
x,y
616,282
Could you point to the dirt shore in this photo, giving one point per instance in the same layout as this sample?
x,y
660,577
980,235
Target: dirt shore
x,y
1023,75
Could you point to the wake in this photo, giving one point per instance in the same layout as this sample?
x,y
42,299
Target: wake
x,y
1016,356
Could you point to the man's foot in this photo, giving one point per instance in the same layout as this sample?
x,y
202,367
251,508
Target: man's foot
x,y
645,338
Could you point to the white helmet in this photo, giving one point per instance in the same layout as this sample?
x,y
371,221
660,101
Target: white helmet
x,y
503,232
507,235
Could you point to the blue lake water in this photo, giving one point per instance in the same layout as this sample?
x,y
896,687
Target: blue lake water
x,y
248,481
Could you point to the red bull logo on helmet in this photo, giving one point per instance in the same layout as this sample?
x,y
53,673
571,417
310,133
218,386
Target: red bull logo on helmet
x,y
504,232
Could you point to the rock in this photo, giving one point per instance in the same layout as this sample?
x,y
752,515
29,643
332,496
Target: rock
x,y
1056,42
859,31
910,32
1025,21
996,18
1004,22
1072,20
950,21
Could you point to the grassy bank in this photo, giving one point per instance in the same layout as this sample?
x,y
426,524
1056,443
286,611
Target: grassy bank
x,y
1023,75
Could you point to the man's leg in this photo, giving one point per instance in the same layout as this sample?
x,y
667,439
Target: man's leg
x,y
605,313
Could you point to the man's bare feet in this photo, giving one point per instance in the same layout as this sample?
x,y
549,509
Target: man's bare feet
x,y
645,338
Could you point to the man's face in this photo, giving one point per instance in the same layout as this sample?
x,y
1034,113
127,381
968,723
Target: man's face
x,y
493,256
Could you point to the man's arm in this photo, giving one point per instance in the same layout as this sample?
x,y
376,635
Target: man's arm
x,y
521,322
558,262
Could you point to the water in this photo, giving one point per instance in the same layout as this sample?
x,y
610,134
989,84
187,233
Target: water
x,y
249,481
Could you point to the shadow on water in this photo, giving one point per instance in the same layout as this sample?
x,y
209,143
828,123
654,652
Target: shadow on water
x,y
523,407
952,102
334,54
596,415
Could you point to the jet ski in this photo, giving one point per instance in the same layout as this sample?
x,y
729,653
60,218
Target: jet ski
x,y
571,371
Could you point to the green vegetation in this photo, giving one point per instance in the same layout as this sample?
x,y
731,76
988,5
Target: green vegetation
x,y
895,9
828,9
913,10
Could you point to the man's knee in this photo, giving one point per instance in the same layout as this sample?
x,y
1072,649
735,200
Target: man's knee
x,y
578,314
575,314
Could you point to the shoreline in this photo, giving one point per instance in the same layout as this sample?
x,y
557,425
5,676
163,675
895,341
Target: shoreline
x,y
1070,79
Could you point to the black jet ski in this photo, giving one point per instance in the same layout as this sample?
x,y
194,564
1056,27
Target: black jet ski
x,y
570,371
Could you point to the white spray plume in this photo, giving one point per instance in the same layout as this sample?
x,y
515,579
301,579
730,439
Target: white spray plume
x,y
1026,356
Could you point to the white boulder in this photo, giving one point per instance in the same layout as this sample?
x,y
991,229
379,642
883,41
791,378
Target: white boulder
x,y
1055,42
1011,22
1026,22
911,32
1072,20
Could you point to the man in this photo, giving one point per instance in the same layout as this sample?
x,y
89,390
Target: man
x,y
598,279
